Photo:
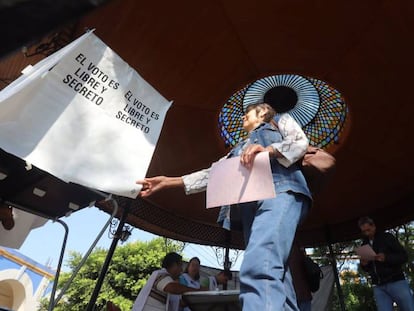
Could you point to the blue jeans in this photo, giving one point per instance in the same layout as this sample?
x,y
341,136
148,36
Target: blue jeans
x,y
398,291
269,228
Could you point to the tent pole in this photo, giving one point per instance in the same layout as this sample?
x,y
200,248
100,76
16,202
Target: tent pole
x,y
227,263
105,266
335,270
85,257
62,252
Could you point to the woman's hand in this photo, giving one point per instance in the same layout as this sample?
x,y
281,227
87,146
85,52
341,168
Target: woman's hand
x,y
157,183
152,185
247,157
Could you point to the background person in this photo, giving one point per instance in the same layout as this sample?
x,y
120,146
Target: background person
x,y
162,290
269,225
191,275
386,272
213,282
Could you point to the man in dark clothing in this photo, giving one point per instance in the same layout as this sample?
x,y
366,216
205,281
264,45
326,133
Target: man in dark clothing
x,y
387,277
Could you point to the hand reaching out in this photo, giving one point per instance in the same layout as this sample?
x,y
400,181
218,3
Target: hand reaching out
x,y
151,185
157,183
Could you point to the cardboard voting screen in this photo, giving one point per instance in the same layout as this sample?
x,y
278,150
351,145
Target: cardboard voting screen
x,y
85,116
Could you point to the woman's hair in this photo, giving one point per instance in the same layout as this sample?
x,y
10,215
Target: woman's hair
x,y
170,259
197,276
268,116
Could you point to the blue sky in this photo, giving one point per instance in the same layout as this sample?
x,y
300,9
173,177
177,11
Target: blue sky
x,y
44,244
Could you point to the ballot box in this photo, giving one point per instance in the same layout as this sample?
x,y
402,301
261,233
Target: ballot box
x,y
219,300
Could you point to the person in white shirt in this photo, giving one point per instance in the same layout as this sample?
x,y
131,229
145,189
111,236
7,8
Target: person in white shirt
x,y
162,292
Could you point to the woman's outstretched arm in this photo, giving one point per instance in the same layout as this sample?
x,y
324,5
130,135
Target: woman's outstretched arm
x,y
191,183
157,183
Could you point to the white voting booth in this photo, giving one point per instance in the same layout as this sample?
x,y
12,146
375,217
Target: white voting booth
x,y
85,116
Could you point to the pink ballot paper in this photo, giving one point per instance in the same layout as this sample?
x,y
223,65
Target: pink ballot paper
x,y
365,252
230,182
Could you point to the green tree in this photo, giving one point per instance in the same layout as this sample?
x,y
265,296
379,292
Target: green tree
x,y
358,297
405,234
128,272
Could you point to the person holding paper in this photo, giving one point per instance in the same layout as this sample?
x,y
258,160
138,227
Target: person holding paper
x,y
269,225
385,268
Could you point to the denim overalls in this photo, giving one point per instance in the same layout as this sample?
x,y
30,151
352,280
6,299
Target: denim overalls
x,y
269,228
